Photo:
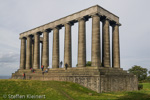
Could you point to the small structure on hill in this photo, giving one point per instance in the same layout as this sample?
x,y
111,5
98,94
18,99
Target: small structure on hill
x,y
101,76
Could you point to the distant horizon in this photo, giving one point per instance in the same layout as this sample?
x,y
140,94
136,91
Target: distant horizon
x,y
5,77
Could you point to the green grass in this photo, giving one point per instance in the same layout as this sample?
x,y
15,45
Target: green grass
x,y
54,90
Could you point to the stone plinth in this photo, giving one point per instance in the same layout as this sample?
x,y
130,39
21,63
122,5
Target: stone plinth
x,y
94,78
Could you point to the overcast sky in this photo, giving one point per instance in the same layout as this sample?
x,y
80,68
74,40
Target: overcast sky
x,y
17,16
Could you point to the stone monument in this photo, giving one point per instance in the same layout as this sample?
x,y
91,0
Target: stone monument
x,y
101,76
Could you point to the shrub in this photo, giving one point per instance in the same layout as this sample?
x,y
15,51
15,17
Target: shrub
x,y
148,79
88,63
140,86
140,72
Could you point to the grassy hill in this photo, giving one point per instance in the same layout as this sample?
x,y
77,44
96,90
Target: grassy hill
x,y
54,90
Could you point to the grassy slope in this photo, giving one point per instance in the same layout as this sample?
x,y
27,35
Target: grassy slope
x,y
65,91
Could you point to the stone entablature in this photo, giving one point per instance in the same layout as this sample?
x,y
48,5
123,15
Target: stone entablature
x,y
86,13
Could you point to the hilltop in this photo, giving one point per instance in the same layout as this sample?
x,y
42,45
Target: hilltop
x,y
54,90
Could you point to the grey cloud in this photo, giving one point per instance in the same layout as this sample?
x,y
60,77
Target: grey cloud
x,y
9,57
9,63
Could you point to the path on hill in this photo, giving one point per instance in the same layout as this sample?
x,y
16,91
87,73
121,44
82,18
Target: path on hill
x,y
64,93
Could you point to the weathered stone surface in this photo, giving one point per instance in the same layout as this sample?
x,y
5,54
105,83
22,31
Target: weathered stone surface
x,y
98,78
29,53
23,53
42,53
82,43
115,47
96,60
55,58
36,51
105,44
32,53
67,53
45,49
94,78
73,18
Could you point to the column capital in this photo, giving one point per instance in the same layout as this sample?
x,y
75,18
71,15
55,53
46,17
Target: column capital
x,y
38,33
114,24
47,30
106,19
69,23
30,36
118,24
96,14
23,38
81,18
57,27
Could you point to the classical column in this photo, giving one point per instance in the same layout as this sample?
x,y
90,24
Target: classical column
x,y
41,52
105,44
82,43
67,49
32,53
45,51
29,52
36,51
55,58
23,53
96,61
115,46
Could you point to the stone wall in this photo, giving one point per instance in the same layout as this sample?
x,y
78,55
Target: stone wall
x,y
118,83
99,80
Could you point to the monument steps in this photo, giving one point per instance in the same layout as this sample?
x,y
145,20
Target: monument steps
x,y
92,77
74,72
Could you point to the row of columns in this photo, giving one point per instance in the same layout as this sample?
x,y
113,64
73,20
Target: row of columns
x,y
30,52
